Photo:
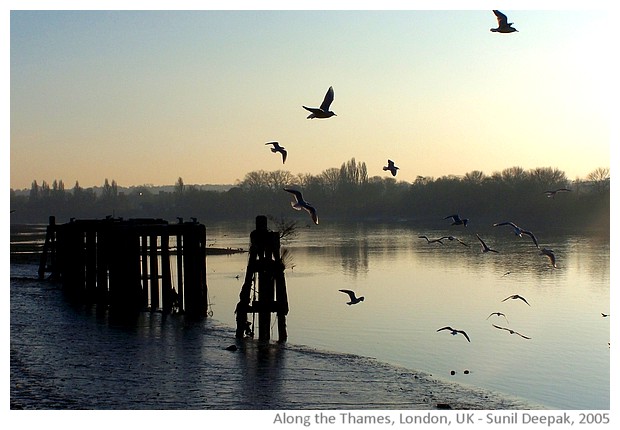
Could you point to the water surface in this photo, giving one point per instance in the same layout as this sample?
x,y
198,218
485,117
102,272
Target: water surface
x,y
412,288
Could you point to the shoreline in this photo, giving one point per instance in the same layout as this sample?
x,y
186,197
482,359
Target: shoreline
x,y
78,357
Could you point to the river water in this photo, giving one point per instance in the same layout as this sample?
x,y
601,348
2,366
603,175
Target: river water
x,y
413,288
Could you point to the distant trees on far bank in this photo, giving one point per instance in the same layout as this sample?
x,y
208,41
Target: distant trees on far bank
x,y
345,193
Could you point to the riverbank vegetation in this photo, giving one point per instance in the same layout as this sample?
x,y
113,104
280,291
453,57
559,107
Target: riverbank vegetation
x,y
342,194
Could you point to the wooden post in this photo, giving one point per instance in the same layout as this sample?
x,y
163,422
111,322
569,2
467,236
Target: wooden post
x,y
180,291
265,261
167,292
154,273
102,253
49,247
144,261
90,260
281,294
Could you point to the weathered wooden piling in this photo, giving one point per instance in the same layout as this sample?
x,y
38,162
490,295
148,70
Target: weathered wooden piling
x,y
265,271
126,264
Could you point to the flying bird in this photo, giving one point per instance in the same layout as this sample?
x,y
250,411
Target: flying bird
x,y
391,167
431,240
549,253
511,331
503,26
451,238
354,300
322,111
518,231
485,248
457,220
499,314
278,148
552,193
300,204
604,315
454,332
516,297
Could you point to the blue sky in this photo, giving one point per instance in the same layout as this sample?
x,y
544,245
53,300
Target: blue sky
x,y
145,97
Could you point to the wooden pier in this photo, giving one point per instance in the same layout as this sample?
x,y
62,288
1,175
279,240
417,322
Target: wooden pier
x,y
264,289
128,264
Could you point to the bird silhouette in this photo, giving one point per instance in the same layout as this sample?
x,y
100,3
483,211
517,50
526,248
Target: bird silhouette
x,y
391,167
499,314
454,332
604,315
552,193
322,111
278,148
485,248
431,240
300,204
518,231
503,26
549,253
516,297
511,331
353,299
457,220
451,238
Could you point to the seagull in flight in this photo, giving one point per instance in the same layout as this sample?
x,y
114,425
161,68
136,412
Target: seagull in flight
x,y
278,148
518,231
549,253
300,204
451,238
516,297
431,240
552,193
499,314
354,300
322,111
454,332
485,248
511,331
391,167
457,220
503,26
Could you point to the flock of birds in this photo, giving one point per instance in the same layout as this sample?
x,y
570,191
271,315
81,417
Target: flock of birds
x,y
457,220
324,112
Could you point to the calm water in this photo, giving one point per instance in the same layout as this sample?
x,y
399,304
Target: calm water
x,y
412,288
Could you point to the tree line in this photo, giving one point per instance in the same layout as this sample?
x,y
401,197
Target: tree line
x,y
343,194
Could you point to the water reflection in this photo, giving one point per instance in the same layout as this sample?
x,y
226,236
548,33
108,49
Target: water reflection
x,y
412,288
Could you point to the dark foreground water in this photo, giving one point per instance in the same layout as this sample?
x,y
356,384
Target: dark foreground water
x,y
65,356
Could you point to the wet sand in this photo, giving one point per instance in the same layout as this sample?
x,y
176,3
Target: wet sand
x,y
77,357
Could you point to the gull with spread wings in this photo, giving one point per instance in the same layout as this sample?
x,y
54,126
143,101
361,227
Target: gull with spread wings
x,y
354,300
454,332
278,148
503,26
511,331
322,111
485,248
457,220
518,231
300,204
391,167
516,297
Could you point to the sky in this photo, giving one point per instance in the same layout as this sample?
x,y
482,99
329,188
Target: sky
x,y
148,96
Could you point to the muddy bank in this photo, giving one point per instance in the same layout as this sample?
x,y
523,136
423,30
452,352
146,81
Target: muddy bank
x,y
83,357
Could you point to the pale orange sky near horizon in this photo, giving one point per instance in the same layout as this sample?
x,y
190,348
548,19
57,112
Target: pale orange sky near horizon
x,y
145,97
